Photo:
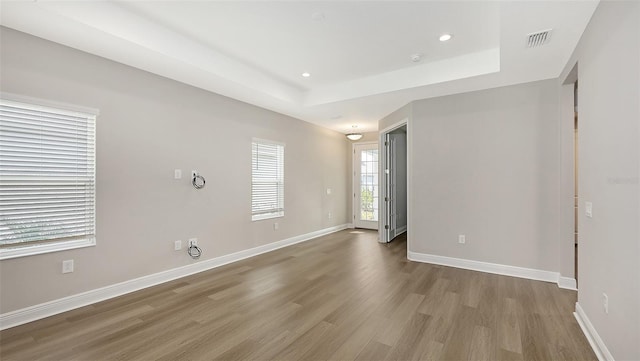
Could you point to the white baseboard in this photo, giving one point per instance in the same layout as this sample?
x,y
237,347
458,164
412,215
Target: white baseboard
x,y
598,346
513,271
29,314
567,283
401,230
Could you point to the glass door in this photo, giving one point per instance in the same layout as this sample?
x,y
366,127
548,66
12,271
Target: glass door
x,y
366,186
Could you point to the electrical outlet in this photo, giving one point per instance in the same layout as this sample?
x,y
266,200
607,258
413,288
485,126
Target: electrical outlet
x,y
67,266
605,303
177,174
330,215
462,239
588,209
193,242
177,245
276,226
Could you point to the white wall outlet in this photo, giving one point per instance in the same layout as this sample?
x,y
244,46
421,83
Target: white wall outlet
x,y
588,209
276,226
67,266
605,303
193,242
177,245
177,174
329,215
328,191
462,239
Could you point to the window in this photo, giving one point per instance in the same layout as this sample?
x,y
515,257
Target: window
x,y
369,185
47,178
267,180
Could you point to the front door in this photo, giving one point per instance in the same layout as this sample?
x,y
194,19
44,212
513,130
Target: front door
x,y
366,186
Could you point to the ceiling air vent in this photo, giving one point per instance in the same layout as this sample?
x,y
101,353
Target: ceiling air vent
x,y
538,38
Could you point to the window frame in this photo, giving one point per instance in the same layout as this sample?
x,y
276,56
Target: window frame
x,y
36,247
279,213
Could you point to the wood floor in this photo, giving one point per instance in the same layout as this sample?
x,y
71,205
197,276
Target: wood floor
x,y
339,297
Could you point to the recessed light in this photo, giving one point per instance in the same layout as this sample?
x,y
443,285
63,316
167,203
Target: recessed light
x,y
306,75
445,37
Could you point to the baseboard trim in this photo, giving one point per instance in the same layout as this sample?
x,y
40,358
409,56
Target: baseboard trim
x,y
401,230
567,283
505,270
598,346
36,312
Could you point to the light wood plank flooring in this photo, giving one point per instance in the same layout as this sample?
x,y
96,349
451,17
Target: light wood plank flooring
x,y
339,297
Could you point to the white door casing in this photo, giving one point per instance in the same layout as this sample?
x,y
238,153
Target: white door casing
x,y
390,173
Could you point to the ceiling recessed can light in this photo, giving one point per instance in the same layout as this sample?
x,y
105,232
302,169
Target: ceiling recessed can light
x,y
306,75
445,37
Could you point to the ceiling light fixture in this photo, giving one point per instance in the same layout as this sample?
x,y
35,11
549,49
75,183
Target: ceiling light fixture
x,y
306,75
354,136
445,37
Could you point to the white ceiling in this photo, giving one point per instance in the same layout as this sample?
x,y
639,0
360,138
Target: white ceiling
x,y
358,52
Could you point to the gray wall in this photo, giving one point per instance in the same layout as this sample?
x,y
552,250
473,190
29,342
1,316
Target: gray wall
x,y
485,164
397,116
148,126
608,58
369,137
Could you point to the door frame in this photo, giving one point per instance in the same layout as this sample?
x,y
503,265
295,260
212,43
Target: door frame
x,y
570,172
355,184
383,211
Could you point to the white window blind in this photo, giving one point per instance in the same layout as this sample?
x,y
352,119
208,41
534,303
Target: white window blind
x,y
267,180
47,176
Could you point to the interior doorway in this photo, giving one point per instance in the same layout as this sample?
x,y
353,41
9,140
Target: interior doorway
x,y
570,179
365,185
394,183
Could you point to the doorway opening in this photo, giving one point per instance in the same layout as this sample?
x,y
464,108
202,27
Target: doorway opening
x,y
570,159
394,217
365,185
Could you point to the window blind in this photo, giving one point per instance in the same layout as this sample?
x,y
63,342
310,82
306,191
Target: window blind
x,y
47,174
267,181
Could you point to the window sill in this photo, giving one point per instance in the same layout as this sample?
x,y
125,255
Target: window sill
x,y
260,217
30,250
